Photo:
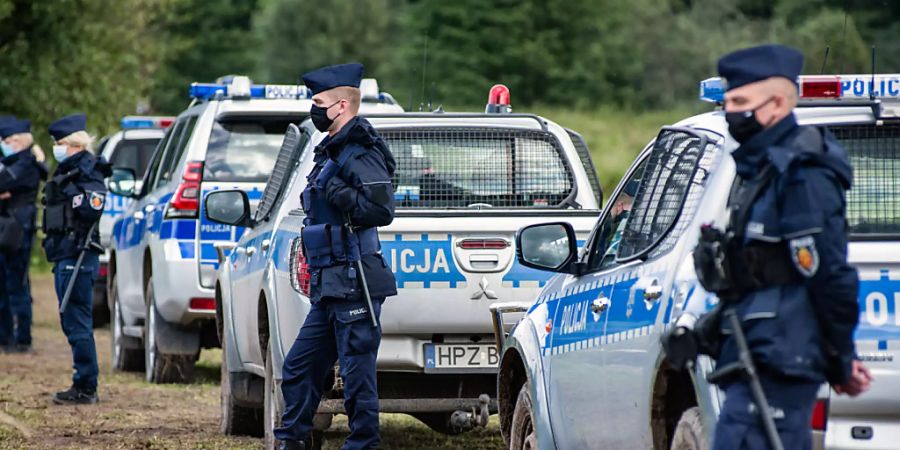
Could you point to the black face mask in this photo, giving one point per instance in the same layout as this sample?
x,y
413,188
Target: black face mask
x,y
743,125
319,116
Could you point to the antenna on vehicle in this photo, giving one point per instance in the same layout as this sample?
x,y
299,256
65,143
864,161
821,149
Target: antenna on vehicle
x,y
872,85
412,90
431,96
424,73
844,37
825,60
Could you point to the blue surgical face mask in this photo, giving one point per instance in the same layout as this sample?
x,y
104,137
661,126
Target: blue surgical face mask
x,y
59,152
6,149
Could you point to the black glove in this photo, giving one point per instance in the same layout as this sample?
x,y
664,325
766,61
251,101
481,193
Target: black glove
x,y
681,347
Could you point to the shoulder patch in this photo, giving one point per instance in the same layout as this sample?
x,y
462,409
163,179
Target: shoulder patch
x,y
97,200
805,255
77,200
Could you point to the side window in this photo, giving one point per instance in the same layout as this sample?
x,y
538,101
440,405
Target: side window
x,y
179,143
292,148
153,168
609,233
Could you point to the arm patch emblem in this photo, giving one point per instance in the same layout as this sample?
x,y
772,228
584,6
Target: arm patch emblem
x,y
77,200
97,200
805,255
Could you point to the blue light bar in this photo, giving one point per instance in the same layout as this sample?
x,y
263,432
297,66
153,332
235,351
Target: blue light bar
x,y
145,122
712,90
206,91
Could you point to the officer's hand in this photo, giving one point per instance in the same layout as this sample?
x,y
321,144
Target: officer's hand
x,y
860,380
5,195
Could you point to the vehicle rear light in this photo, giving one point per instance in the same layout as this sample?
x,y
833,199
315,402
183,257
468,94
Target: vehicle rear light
x,y
820,87
206,304
300,275
186,200
819,415
483,244
103,271
166,123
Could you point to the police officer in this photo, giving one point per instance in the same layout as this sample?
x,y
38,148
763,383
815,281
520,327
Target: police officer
x,y
789,282
74,202
349,193
20,175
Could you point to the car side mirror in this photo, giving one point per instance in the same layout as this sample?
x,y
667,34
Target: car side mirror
x,y
548,246
122,182
230,207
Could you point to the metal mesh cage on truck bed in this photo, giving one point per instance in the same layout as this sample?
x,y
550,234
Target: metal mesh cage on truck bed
x,y
873,202
479,167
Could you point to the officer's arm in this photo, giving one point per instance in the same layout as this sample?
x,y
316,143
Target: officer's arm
x,y
10,177
363,190
834,284
88,203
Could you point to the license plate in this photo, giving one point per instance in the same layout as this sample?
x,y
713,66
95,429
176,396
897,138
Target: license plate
x,y
460,357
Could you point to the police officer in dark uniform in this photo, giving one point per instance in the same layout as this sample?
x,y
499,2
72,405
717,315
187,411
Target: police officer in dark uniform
x,y
74,202
787,279
20,175
349,193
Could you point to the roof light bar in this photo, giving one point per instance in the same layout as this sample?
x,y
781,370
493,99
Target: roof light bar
x,y
137,122
859,87
206,91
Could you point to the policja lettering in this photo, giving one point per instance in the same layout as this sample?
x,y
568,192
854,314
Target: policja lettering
x,y
348,194
772,350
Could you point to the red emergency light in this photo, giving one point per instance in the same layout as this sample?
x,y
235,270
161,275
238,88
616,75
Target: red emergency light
x,y
483,244
820,87
498,100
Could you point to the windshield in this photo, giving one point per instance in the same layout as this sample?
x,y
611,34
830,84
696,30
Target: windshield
x,y
244,150
134,154
873,202
459,168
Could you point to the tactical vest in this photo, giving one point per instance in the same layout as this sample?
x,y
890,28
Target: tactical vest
x,y
59,214
327,237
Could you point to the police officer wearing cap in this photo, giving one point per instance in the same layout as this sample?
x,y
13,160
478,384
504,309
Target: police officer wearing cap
x,y
788,282
349,193
20,175
74,202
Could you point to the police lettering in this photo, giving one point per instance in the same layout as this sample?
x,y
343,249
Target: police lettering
x,y
214,228
408,261
574,318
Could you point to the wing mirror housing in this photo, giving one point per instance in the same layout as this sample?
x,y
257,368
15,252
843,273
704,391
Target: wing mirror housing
x,y
229,207
549,246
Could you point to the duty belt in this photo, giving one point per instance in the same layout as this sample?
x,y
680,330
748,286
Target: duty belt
x,y
326,245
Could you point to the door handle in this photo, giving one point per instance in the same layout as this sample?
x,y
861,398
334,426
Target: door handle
x,y
265,245
653,292
251,251
600,304
138,215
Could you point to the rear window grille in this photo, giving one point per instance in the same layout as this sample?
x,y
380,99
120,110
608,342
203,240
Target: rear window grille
x,y
584,154
666,185
873,202
479,167
285,162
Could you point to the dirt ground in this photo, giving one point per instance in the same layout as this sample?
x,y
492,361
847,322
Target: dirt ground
x,y
133,414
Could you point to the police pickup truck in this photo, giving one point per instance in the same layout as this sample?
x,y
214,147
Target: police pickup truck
x,y
131,148
584,367
162,258
464,183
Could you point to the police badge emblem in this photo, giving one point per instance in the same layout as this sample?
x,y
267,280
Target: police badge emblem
x,y
97,200
805,255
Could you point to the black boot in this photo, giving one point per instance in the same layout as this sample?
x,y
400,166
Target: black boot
x,y
73,396
293,445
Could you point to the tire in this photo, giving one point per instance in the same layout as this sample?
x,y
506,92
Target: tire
x,y
126,352
522,434
439,423
236,420
273,409
160,367
690,434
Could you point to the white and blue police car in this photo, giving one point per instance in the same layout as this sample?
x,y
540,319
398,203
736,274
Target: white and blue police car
x,y
163,262
584,367
131,147
464,184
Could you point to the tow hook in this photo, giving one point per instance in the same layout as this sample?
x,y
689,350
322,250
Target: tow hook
x,y
477,417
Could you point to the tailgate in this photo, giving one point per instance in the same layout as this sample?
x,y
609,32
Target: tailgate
x,y
447,278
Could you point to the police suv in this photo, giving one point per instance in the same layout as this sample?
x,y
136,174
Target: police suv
x,y
162,256
464,183
584,367
131,148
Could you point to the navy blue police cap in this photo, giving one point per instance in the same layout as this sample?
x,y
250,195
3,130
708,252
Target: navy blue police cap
x,y
754,64
14,126
67,125
631,188
330,77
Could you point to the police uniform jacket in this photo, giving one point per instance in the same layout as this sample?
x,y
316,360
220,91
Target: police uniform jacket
x,y
74,199
351,181
20,175
802,328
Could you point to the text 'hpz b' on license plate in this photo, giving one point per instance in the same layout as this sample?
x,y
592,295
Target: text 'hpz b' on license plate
x,y
460,357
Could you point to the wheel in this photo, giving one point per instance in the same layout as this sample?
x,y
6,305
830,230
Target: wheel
x,y
236,420
690,434
160,367
126,351
522,433
273,409
439,422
